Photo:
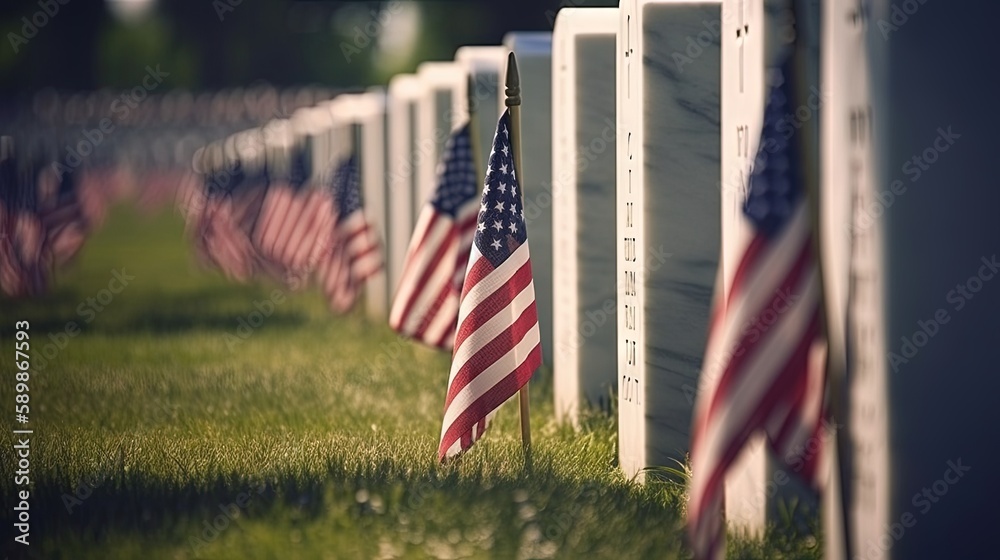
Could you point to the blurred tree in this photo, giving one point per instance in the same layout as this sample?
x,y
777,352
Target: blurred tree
x,y
229,43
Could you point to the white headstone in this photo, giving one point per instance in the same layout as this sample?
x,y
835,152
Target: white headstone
x,y
852,258
442,107
485,67
534,61
583,179
753,33
404,93
743,33
913,160
668,239
370,146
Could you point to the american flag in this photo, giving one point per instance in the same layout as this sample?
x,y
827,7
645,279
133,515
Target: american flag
x,y
426,303
226,224
63,220
23,269
295,226
354,254
497,345
758,375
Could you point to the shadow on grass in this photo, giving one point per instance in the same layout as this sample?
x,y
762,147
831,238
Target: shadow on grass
x,y
151,312
381,495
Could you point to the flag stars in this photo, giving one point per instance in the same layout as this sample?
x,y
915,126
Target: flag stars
x,y
503,168
496,244
503,188
499,207
497,225
482,207
486,188
504,149
512,227
481,226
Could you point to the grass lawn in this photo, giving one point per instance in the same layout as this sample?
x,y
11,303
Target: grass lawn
x,y
315,436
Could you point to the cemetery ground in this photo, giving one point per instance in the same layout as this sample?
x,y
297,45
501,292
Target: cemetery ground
x,y
176,415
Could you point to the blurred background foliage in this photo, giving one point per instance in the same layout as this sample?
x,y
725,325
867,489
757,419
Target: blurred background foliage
x,y
210,44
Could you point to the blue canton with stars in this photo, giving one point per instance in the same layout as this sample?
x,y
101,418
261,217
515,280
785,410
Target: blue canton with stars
x,y
345,187
501,215
457,174
776,182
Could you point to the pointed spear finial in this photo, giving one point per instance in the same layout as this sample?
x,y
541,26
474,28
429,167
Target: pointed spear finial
x,y
513,82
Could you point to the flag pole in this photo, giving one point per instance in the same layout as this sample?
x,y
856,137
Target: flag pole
x,y
513,103
471,102
839,545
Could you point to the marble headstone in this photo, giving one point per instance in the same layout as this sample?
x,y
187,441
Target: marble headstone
x,y
912,154
668,226
743,32
442,106
370,146
485,67
852,249
583,185
534,61
404,93
752,42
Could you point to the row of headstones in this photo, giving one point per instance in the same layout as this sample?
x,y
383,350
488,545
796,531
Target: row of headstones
x,y
639,125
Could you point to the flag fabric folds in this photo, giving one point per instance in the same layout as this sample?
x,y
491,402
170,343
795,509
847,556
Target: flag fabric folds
x,y
63,220
228,217
757,374
354,253
294,228
426,304
497,345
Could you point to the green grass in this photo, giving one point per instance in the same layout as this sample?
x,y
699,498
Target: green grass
x,y
322,430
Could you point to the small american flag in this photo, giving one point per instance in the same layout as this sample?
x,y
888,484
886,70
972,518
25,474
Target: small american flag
x,y
758,375
497,346
426,303
23,268
295,226
354,254
65,225
226,229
